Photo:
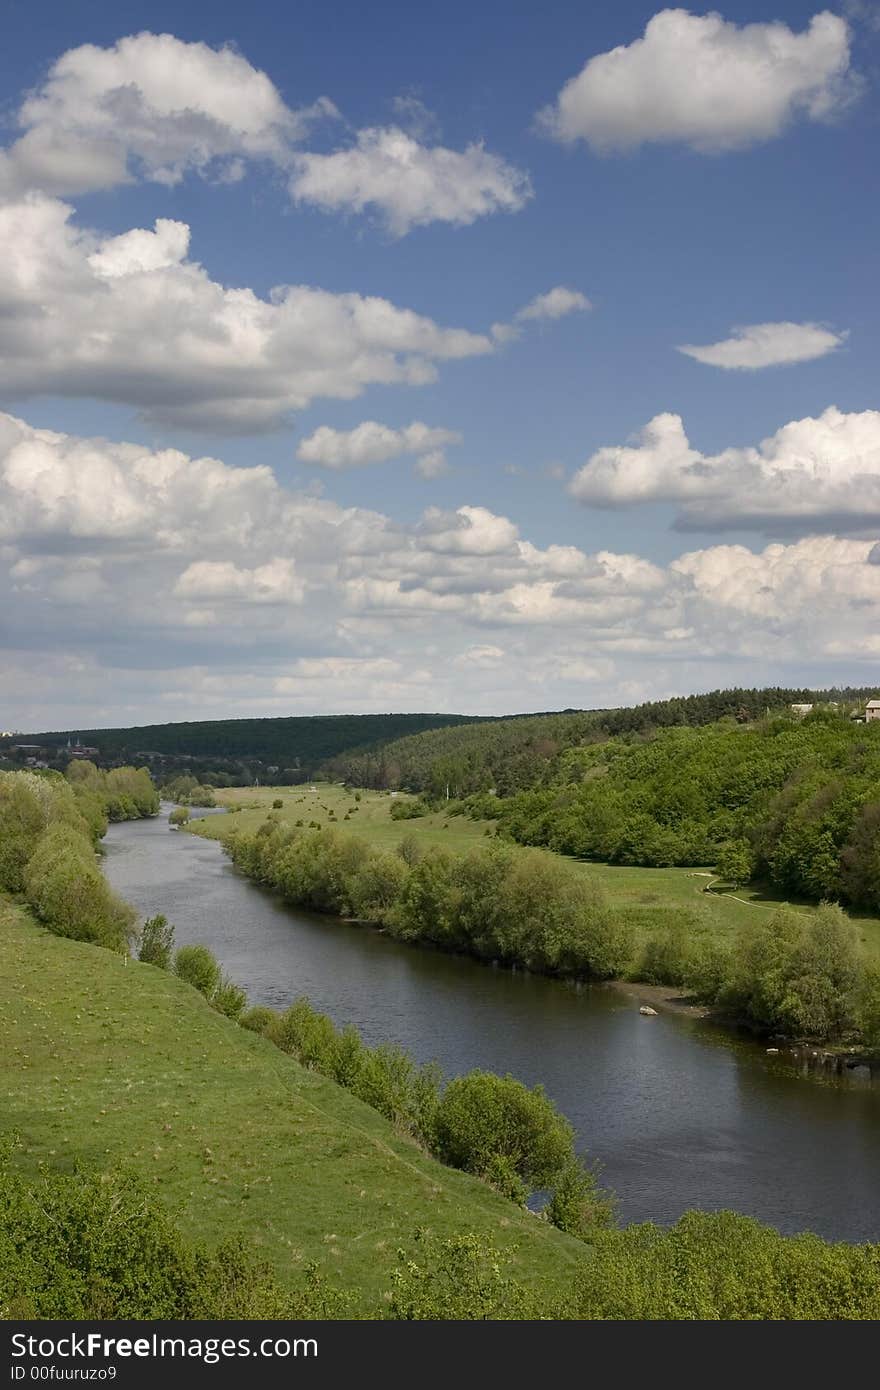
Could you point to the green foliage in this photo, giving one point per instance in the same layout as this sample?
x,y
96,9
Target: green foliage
x,y
187,790
229,999
156,942
197,966
788,800
99,1246
125,793
460,1278
736,862
577,1205
798,973
257,1019
409,810
723,1266
492,903
69,894
179,816
496,1127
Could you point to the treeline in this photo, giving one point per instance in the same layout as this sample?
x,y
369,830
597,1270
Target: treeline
x,y
126,793
792,802
512,755
49,830
501,755
493,903
301,742
187,790
796,974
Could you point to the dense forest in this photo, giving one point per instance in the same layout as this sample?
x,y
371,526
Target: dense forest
x,y
793,802
293,748
511,755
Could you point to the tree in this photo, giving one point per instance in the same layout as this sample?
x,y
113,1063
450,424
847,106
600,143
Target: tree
x,y
156,941
736,862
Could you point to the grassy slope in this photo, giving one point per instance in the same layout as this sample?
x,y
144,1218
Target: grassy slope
x,y
118,1063
625,886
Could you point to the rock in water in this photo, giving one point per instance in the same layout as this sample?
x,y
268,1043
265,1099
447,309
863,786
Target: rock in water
x,y
648,1011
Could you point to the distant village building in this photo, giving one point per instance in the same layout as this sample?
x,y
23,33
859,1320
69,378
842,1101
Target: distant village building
x,y
81,750
800,710
872,710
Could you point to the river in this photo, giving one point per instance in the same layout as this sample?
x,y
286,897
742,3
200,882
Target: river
x,y
678,1114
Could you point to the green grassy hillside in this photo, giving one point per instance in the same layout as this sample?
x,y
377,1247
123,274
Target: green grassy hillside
x,y
114,1063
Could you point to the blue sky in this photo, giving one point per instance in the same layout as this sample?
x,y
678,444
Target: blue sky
x,y
673,243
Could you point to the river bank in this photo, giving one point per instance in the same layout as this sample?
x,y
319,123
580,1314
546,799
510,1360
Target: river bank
x,y
677,1114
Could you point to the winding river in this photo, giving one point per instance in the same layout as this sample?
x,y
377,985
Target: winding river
x,y
677,1114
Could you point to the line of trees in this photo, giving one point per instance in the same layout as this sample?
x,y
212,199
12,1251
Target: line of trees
x,y
793,973
493,903
49,829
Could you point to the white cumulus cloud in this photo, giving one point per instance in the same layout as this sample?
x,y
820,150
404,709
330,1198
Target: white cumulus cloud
x,y
409,184
759,345
815,474
150,106
703,81
182,584
129,318
555,304
370,442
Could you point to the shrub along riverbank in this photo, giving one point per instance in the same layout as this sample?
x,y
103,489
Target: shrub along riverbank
x,y
801,974
49,830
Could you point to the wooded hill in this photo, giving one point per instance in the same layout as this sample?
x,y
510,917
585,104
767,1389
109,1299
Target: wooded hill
x,y
297,743
511,755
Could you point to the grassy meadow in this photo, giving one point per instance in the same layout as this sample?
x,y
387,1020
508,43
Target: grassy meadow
x,y
640,891
116,1064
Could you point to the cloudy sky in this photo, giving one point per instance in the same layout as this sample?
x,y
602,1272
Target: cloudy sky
x,y
484,357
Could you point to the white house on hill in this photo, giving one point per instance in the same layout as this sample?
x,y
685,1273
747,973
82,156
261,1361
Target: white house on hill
x,y
872,710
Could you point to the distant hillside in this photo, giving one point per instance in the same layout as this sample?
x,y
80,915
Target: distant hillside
x,y
511,755
298,743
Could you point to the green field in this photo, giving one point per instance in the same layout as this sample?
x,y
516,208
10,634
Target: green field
x,y
632,888
113,1064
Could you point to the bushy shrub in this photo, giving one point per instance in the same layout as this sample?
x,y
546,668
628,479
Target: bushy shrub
x,y
577,1205
197,966
101,1247
409,810
485,1121
229,998
258,1019
724,1266
70,895
156,942
797,972
459,1278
